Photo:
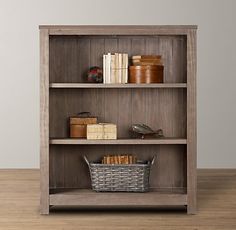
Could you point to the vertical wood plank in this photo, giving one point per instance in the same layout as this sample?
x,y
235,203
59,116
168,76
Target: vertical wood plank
x,y
152,105
96,97
152,45
138,96
57,167
165,48
124,97
44,121
191,121
110,45
84,58
179,59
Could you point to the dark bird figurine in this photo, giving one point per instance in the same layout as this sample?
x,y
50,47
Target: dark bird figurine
x,y
145,130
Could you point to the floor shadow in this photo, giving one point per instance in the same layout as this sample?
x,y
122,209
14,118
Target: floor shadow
x,y
117,210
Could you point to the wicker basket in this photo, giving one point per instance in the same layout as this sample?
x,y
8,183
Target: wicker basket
x,y
120,177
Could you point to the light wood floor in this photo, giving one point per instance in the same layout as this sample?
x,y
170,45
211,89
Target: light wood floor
x,y
19,207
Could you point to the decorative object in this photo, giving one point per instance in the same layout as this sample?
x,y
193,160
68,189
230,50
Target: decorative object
x,y
147,60
101,131
146,69
146,74
78,124
120,177
95,75
146,131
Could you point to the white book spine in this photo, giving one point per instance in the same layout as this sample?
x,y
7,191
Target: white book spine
x,y
109,68
112,77
104,69
126,67
120,68
116,67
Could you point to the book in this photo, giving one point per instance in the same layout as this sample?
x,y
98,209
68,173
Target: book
x,y
104,69
115,68
109,68
119,68
112,77
147,60
146,57
124,68
147,63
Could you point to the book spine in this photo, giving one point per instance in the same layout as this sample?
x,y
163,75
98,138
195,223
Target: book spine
x,y
116,67
104,69
120,68
112,77
125,68
109,68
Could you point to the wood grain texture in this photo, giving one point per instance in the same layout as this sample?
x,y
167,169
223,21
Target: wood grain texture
x,y
20,191
101,86
165,107
88,197
66,56
44,121
119,30
191,122
71,56
118,27
74,141
77,175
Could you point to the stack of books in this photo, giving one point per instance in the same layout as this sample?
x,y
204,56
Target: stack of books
x,y
146,60
115,68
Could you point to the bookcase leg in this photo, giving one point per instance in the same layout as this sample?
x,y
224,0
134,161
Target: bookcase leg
x,y
44,209
191,210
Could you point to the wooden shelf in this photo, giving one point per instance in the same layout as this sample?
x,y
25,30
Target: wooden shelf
x,y
88,197
161,141
105,86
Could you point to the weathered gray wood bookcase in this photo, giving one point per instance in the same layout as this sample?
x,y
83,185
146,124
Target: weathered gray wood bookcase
x,y
66,53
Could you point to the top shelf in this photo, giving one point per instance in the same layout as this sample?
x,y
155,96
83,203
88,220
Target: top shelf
x,y
100,85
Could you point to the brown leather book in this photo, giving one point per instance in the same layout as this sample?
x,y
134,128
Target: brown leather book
x,y
146,57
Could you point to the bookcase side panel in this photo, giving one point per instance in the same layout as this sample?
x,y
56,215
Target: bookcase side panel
x,y
44,121
191,122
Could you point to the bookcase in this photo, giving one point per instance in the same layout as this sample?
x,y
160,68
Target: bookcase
x,y
66,53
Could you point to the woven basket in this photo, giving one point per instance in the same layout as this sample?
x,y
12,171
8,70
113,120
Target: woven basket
x,y
120,177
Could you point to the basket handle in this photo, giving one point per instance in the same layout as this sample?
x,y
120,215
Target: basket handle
x,y
84,114
153,160
86,160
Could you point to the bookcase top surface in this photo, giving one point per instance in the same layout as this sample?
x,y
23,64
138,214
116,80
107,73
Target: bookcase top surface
x,y
118,26
118,29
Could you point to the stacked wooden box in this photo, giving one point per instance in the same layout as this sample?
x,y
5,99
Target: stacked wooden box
x,y
101,131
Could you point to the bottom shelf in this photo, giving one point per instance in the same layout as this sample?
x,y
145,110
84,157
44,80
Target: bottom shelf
x,y
88,197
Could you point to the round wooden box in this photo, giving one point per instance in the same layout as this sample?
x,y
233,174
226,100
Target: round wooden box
x,y
146,74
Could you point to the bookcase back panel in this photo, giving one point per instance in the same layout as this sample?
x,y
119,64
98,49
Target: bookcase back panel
x,y
71,56
157,108
69,170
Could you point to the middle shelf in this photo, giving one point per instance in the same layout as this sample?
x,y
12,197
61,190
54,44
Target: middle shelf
x,y
159,141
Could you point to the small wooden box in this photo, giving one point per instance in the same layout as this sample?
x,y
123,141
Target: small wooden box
x,y
146,74
78,126
101,131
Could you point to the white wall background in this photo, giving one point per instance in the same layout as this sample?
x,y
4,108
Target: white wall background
x,y
19,67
